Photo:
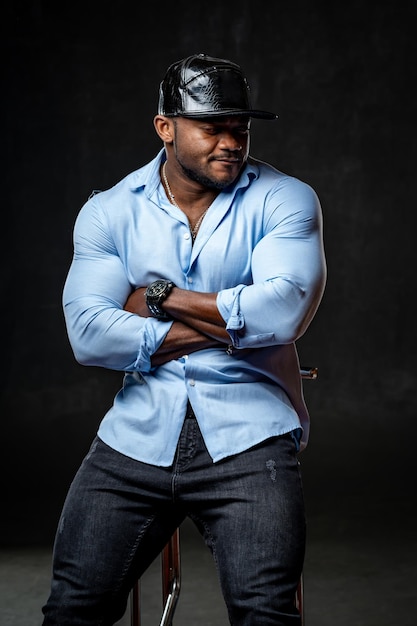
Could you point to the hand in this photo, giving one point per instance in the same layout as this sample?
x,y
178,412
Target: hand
x,y
136,303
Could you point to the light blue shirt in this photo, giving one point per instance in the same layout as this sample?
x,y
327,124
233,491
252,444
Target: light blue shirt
x,y
259,247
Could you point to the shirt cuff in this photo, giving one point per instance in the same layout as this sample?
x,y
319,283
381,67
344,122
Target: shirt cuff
x,y
154,333
228,303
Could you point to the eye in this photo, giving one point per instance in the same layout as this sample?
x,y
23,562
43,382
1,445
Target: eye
x,y
207,129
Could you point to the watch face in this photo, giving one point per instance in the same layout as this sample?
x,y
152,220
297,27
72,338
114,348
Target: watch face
x,y
156,289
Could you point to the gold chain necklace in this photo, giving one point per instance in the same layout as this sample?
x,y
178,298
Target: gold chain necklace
x,y
193,230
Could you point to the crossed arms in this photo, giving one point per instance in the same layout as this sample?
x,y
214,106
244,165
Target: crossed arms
x,y
197,322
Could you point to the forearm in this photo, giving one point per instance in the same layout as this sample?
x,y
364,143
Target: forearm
x,y
198,311
180,340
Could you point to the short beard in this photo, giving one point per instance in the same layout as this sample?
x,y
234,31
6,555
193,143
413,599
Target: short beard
x,y
203,180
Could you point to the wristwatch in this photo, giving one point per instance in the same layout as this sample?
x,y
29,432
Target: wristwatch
x,y
155,294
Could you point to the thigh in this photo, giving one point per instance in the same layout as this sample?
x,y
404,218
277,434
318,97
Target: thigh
x,y
116,518
256,531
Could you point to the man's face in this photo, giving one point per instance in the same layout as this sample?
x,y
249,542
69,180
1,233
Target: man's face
x,y
212,151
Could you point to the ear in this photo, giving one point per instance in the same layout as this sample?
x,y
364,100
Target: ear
x,y
164,126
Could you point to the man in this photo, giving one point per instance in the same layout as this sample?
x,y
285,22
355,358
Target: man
x,y
194,275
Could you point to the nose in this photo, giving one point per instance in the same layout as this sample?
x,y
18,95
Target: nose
x,y
228,141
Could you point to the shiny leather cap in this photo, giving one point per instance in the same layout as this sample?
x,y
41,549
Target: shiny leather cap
x,y
203,86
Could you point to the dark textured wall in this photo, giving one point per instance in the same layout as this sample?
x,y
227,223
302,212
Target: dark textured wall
x,y
79,95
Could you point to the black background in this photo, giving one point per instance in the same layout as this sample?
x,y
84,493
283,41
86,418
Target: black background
x,y
80,85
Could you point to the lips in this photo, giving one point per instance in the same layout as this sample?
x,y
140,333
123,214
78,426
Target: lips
x,y
230,161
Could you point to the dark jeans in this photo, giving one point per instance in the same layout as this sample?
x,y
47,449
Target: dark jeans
x,y
119,514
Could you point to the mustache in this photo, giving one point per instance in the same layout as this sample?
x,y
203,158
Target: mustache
x,y
234,156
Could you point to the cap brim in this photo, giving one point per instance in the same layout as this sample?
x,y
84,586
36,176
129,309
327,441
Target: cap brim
x,y
264,115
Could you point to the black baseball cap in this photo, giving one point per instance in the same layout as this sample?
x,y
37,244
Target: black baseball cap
x,y
204,86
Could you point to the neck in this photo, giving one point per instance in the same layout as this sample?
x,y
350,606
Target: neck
x,y
195,212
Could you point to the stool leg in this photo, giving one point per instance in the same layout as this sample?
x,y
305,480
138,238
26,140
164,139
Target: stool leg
x,y
135,619
171,578
299,599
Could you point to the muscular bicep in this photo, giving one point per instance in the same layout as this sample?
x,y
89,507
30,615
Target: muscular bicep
x,y
96,270
291,252
288,271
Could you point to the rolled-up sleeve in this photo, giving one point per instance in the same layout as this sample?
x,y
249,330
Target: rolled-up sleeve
x,y
288,270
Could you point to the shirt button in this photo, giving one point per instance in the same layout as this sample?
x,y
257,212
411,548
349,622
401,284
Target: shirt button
x,y
187,236
191,382
190,279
